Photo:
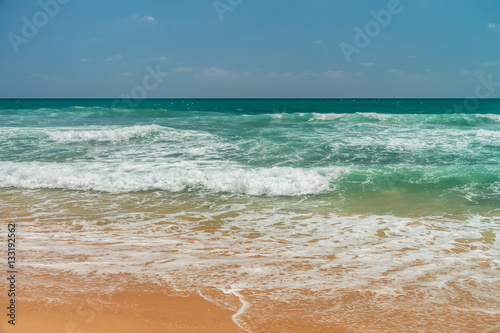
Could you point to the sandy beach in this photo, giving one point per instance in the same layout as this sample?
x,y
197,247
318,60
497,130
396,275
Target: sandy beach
x,y
130,308
118,304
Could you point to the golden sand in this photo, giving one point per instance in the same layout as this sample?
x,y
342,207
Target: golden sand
x,y
125,312
72,303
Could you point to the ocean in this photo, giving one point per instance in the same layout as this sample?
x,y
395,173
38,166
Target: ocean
x,y
336,210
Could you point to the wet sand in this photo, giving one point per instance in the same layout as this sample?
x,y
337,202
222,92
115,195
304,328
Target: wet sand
x,y
128,278
128,311
73,303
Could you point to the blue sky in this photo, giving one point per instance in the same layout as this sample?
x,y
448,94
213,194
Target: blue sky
x,y
261,48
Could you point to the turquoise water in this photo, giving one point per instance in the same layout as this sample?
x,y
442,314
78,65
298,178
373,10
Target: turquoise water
x,y
359,156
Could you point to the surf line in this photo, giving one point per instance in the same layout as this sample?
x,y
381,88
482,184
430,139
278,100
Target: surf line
x,y
244,305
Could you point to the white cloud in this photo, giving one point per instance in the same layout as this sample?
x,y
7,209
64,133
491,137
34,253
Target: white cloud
x,y
337,75
217,71
464,72
211,74
126,74
115,58
318,42
144,18
368,63
164,59
84,60
493,26
333,74
275,75
182,69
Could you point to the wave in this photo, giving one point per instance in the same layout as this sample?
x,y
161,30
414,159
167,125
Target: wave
x,y
488,133
125,177
107,134
454,119
226,177
260,111
253,145
100,133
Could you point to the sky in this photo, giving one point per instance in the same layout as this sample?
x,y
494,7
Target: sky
x,y
249,49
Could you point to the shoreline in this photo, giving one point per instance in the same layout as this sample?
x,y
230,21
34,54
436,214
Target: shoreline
x,y
57,301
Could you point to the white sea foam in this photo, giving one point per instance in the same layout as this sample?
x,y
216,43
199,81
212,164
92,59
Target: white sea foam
x,y
488,133
129,177
276,253
235,290
321,252
492,116
369,115
102,134
374,115
328,116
